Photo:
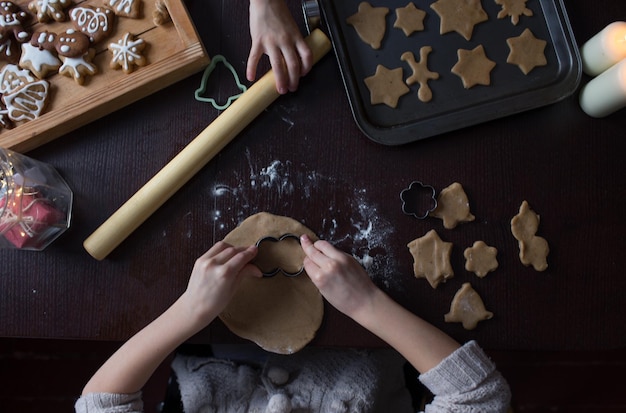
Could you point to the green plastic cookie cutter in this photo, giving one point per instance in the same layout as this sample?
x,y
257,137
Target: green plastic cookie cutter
x,y
205,76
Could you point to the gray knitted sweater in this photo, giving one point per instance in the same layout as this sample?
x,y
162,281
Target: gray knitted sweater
x,y
324,380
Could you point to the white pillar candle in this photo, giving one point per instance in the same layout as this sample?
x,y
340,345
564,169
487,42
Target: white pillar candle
x,y
606,93
604,49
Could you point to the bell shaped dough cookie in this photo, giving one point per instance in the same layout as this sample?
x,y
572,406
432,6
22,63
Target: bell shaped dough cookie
x,y
467,308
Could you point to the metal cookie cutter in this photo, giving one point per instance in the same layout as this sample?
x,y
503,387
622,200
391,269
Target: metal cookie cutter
x,y
418,200
275,271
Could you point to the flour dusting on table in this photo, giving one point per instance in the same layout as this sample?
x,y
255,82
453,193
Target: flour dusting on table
x,y
352,221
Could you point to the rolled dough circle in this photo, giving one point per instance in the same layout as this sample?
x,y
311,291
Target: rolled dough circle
x,y
280,314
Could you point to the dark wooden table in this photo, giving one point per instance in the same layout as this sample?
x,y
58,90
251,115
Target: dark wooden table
x,y
305,157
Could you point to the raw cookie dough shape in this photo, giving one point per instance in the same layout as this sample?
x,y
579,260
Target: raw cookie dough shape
x,y
473,67
418,200
468,308
410,19
280,314
480,258
513,8
386,86
453,206
282,254
533,250
369,23
421,74
526,51
431,258
459,16
205,78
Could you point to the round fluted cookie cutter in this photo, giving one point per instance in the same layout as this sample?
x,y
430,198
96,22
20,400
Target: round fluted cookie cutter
x,y
412,200
275,271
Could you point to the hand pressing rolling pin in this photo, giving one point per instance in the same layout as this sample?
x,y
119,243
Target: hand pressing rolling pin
x,y
275,33
462,378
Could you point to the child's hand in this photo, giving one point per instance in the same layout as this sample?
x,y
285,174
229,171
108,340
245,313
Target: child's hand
x,y
338,276
215,278
275,33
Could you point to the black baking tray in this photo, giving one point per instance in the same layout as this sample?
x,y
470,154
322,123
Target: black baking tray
x,y
452,106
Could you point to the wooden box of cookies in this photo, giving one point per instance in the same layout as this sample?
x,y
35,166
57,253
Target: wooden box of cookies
x,y
416,69
65,63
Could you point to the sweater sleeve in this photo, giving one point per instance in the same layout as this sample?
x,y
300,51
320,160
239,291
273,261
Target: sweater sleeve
x,y
109,403
467,381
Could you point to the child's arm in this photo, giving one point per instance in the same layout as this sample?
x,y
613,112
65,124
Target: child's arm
x,y
275,33
213,281
346,285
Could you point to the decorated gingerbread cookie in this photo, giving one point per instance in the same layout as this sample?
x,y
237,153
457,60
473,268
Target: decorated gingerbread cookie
x,y
13,78
127,53
125,8
41,62
47,10
27,102
95,22
72,43
79,67
12,21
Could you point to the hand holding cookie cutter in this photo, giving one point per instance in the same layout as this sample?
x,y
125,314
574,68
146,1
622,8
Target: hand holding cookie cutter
x,y
276,270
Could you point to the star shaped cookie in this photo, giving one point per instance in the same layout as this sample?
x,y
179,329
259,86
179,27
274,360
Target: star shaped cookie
x,y
453,206
468,308
369,23
431,258
459,16
527,52
386,86
513,8
410,19
480,258
421,74
473,67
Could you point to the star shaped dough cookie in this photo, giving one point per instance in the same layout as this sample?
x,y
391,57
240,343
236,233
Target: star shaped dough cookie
x,y
480,258
410,19
386,86
459,16
473,67
468,308
453,206
431,258
421,74
369,23
527,52
513,8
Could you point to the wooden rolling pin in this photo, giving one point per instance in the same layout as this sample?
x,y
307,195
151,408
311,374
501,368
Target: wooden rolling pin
x,y
192,158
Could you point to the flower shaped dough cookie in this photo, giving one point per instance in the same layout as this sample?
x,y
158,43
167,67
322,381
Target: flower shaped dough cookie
x,y
480,258
431,258
453,206
468,308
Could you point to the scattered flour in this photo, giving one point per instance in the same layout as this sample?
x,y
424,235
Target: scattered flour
x,y
351,222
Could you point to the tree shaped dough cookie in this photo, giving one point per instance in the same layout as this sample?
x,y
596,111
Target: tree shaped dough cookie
x,y
421,74
459,16
453,206
527,52
410,19
431,258
480,258
533,250
513,8
473,67
369,23
468,308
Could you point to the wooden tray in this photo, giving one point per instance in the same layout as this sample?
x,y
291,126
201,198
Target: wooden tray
x,y
174,52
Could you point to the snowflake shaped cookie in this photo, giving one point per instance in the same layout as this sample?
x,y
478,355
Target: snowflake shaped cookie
x,y
79,67
47,10
127,53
